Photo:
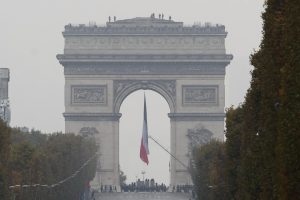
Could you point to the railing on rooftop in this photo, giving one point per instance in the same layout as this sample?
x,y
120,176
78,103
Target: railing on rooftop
x,y
93,28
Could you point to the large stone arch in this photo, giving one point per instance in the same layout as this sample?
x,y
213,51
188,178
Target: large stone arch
x,y
123,88
104,64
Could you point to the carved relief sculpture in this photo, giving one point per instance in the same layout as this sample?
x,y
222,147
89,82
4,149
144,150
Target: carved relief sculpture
x,y
88,131
159,43
200,95
198,137
95,94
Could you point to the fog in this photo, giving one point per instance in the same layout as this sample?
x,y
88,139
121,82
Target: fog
x,y
31,37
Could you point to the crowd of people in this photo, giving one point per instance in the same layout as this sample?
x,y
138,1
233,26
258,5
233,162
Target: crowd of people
x,y
108,188
147,185
183,188
144,186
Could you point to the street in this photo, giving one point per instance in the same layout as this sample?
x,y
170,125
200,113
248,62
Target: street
x,y
143,196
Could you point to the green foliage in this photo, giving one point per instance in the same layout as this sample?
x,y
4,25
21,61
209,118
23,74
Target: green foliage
x,y
209,171
20,162
4,159
263,135
122,178
234,128
36,158
270,136
34,137
262,150
288,146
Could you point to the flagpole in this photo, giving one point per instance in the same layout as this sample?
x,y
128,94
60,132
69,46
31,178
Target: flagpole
x,y
169,152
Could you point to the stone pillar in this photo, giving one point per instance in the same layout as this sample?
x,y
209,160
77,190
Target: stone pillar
x,y
107,136
189,130
179,148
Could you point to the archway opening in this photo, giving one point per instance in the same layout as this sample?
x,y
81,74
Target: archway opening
x,y
130,133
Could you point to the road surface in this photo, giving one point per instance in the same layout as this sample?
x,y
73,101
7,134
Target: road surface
x,y
143,196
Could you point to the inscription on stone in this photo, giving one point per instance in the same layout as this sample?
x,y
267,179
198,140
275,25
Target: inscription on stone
x,y
89,94
199,94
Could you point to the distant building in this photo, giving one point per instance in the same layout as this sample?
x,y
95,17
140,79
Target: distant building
x,y
4,100
24,129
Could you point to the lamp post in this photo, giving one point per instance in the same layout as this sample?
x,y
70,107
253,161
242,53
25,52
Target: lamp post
x,y
143,172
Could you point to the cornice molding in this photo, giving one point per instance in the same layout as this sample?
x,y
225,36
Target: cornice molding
x,y
196,116
222,58
82,29
144,68
92,116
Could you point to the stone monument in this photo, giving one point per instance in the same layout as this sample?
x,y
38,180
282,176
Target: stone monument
x,y
184,64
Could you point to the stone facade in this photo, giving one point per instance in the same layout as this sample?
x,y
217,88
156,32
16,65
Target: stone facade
x,y
4,100
186,65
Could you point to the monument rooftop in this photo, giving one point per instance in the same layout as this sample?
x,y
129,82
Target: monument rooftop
x,y
145,22
144,26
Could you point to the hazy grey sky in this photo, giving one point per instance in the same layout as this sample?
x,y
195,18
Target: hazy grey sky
x,y
30,38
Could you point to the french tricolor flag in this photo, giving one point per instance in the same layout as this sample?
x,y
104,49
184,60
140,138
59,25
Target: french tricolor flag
x,y
144,150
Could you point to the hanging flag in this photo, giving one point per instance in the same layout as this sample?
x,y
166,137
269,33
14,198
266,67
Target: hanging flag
x,y
144,150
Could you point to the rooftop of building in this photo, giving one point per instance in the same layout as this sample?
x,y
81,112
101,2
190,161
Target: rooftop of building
x,y
144,25
4,73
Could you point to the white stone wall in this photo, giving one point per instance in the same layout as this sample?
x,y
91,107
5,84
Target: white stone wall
x,y
108,137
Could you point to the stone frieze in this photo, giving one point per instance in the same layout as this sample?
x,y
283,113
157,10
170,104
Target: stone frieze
x,y
144,42
154,29
89,94
199,94
145,68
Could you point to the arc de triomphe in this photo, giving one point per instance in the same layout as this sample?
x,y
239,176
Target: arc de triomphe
x,y
104,64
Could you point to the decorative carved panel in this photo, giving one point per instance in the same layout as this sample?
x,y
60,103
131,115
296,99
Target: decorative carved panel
x,y
200,94
89,94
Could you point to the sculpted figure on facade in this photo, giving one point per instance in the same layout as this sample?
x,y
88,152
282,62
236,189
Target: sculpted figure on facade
x,y
200,94
88,94
198,137
88,131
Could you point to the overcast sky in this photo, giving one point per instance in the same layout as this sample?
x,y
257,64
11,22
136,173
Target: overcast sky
x,y
30,38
